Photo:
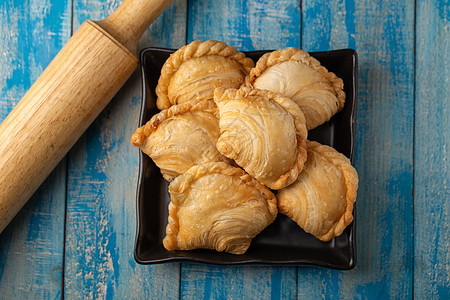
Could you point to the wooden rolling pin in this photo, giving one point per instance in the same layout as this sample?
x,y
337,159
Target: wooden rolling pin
x,y
67,97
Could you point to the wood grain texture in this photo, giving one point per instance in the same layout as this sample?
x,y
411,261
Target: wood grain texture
x,y
402,245
432,151
56,110
101,204
31,247
246,25
237,282
129,21
66,98
383,34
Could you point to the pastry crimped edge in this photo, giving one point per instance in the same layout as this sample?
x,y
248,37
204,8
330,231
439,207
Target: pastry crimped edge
x,y
170,241
194,50
142,133
295,54
292,109
351,181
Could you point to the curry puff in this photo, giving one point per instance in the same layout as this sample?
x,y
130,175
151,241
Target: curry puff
x,y
195,70
219,207
294,73
321,200
263,132
180,137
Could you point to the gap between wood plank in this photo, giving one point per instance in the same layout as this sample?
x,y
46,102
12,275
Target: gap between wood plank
x,y
413,265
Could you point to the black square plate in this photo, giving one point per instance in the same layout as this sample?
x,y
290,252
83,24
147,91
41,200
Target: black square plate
x,y
281,243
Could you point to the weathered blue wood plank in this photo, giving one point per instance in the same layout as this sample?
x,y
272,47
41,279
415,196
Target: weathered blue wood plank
x,y
103,169
232,282
31,247
382,32
432,151
246,25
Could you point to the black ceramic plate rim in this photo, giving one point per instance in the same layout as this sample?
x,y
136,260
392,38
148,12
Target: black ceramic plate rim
x,y
260,261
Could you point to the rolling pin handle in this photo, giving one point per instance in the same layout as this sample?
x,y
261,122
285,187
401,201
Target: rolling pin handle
x,y
129,21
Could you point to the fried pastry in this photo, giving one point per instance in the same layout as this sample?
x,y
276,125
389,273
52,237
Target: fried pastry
x,y
265,133
321,200
195,70
294,73
180,137
219,207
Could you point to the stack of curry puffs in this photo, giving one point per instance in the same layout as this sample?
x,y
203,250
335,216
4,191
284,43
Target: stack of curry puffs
x,y
231,134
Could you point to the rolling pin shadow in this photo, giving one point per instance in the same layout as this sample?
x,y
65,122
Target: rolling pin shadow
x,y
67,97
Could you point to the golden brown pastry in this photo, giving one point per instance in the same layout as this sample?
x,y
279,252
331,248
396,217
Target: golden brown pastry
x,y
219,207
195,70
321,200
265,133
180,137
294,73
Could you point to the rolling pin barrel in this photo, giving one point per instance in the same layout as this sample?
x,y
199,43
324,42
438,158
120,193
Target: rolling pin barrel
x,y
66,99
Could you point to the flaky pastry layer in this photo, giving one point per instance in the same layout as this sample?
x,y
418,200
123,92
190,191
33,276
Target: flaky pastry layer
x,y
195,70
263,132
180,137
295,74
219,207
321,200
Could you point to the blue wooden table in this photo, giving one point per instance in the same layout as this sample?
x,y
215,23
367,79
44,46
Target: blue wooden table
x,y
75,237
